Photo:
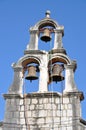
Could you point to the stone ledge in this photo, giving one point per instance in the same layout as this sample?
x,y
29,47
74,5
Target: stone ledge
x,y
60,50
34,52
45,94
83,121
10,96
34,95
78,93
39,94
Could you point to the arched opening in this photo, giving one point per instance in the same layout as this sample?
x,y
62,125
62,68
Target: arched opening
x,y
46,38
57,73
56,77
31,74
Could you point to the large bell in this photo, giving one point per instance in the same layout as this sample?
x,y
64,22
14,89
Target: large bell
x,y
31,73
46,35
56,73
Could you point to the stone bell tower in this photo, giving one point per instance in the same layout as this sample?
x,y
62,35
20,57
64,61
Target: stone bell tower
x,y
44,109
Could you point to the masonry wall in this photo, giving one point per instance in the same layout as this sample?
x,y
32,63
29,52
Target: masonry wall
x,y
42,111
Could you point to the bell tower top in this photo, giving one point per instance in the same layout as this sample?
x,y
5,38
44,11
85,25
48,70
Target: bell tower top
x,y
47,66
47,30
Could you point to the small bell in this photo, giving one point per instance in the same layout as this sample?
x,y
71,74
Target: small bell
x,y
46,35
56,73
31,73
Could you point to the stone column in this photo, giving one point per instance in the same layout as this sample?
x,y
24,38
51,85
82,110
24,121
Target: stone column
x,y
43,79
16,87
69,79
58,40
33,44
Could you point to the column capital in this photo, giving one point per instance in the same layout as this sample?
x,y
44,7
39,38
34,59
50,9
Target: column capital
x,y
72,66
16,67
32,30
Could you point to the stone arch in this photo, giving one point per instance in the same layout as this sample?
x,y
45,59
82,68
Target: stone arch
x,y
55,30
30,61
59,58
46,22
24,61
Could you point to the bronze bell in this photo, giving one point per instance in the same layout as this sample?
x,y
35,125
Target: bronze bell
x,y
31,73
46,35
56,73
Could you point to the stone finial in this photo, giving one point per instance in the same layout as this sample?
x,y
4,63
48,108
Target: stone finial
x,y
47,14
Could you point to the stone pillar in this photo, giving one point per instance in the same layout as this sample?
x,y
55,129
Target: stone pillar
x,y
58,40
43,77
33,44
69,79
16,87
43,80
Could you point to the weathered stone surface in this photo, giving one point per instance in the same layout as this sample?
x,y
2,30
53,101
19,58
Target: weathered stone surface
x,y
42,112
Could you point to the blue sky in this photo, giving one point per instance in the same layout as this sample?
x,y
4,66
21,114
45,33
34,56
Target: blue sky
x,y
17,16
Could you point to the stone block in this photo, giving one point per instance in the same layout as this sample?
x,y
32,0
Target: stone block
x,y
69,106
66,106
22,114
32,107
13,101
21,102
45,100
35,114
40,121
29,113
22,108
34,101
51,100
32,121
69,113
22,121
16,114
9,115
17,101
49,113
42,113
48,106
59,113
14,120
65,100
48,120
41,101
64,113
57,100
28,101
64,128
40,106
